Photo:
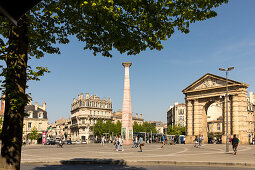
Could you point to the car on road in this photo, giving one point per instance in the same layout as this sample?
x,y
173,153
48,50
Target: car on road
x,y
50,142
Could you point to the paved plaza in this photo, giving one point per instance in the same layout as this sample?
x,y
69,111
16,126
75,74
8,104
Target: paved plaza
x,y
206,155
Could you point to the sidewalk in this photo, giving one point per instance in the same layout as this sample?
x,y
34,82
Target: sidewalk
x,y
207,155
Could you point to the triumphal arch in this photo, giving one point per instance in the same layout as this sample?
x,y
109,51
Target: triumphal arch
x,y
206,108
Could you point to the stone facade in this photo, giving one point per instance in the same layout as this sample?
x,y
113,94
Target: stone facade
x,y
158,125
211,89
117,116
176,115
37,117
85,111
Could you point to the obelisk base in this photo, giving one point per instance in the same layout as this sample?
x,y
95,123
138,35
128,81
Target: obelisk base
x,y
128,142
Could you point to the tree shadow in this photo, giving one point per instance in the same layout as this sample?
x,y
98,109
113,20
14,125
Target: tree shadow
x,y
84,163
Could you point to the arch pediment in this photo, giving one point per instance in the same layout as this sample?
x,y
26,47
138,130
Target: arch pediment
x,y
210,81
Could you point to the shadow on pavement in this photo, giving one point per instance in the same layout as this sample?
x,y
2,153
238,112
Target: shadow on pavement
x,y
80,164
81,167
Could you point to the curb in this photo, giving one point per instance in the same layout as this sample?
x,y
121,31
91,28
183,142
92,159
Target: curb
x,y
133,163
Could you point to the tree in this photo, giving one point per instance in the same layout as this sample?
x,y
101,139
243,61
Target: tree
x,y
130,26
176,130
34,135
1,124
98,128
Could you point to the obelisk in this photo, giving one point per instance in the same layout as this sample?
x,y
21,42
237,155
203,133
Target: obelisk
x,y
127,125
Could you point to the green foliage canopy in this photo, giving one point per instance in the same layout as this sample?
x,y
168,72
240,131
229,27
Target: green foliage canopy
x,y
176,130
34,135
130,26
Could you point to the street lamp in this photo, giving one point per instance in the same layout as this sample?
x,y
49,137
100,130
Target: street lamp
x,y
226,70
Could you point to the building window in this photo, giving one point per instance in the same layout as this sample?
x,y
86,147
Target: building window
x,y
40,126
29,125
83,121
90,112
218,126
98,113
83,111
40,115
30,114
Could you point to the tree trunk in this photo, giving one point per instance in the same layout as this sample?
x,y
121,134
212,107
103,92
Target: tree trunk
x,y
15,97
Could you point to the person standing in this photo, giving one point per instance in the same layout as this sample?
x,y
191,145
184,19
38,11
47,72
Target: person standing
x,y
141,143
102,141
235,142
136,141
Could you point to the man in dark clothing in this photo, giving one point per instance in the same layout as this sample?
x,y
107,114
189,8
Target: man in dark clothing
x,y
235,142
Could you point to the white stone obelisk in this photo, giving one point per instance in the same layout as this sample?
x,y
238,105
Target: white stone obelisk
x,y
127,125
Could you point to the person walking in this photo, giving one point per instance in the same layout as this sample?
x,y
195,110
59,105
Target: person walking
x,y
120,144
200,141
235,142
196,142
116,142
163,141
141,143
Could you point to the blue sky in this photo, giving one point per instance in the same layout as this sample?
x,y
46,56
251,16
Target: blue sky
x,y
157,77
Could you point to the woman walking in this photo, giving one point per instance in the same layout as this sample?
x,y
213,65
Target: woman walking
x,y
141,143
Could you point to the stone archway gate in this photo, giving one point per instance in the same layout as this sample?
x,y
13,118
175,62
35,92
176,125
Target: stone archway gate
x,y
211,88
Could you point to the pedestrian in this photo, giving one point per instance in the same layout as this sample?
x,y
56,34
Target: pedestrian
x,y
102,141
133,142
184,140
120,144
163,141
136,141
116,142
235,142
141,143
200,140
196,142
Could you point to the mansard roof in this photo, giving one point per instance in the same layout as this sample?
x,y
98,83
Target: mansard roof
x,y
211,81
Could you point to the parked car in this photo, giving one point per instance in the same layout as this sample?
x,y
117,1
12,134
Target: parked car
x,y
50,142
83,142
76,142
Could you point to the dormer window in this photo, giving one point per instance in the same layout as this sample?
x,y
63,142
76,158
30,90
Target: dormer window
x,y
30,114
40,115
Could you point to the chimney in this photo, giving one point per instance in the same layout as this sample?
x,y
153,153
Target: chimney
x,y
109,99
81,95
251,97
136,115
2,104
78,97
141,116
44,106
74,100
87,95
36,105
30,101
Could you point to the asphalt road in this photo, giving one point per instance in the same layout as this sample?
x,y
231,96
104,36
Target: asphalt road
x,y
120,167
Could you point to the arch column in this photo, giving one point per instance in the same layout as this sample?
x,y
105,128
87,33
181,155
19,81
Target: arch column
x,y
189,121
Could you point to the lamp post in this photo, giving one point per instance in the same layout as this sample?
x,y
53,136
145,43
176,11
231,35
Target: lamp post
x,y
226,70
